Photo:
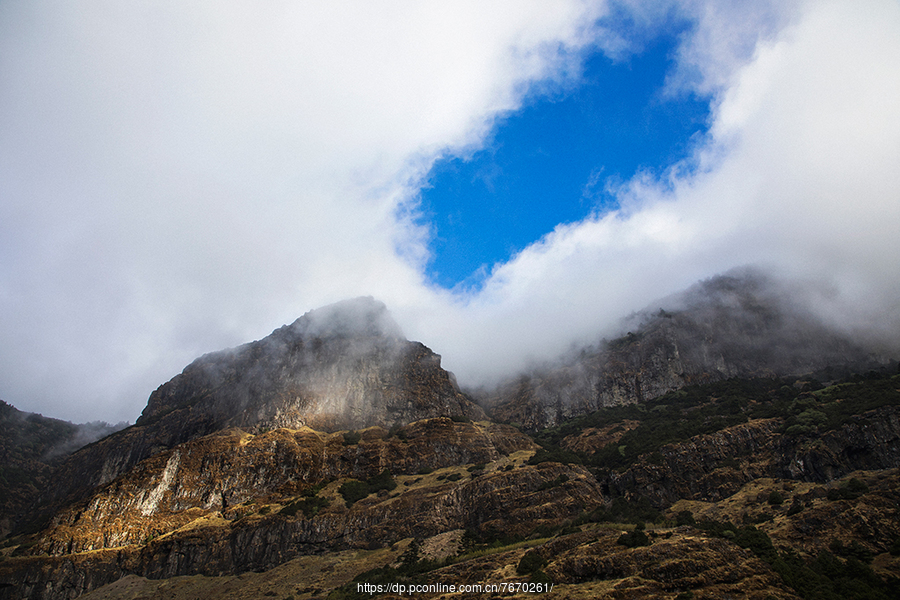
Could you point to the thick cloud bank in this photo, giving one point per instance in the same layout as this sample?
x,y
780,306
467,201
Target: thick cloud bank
x,y
177,178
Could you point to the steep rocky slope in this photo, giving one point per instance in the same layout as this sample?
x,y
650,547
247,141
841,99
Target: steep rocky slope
x,y
335,449
339,367
739,325
717,556
714,466
157,521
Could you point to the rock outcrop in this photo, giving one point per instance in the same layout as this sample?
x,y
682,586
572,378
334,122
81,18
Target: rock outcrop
x,y
166,517
714,466
221,473
335,437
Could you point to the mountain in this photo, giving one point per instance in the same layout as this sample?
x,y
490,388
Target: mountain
x,y
31,446
343,366
339,367
744,324
696,457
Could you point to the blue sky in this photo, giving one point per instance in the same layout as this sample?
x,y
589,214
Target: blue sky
x,y
180,178
556,159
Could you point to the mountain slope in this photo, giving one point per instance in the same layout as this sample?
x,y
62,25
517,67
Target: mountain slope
x,y
339,367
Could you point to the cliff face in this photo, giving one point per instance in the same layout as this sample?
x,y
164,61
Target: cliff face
x,y
714,466
729,326
340,367
222,504
335,437
217,474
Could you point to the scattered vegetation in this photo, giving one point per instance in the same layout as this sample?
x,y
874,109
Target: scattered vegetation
x,y
351,438
552,453
823,577
634,538
851,490
685,517
407,570
530,562
310,504
674,417
828,408
806,407
353,489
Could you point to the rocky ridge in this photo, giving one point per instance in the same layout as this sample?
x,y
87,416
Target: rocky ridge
x,y
31,446
738,325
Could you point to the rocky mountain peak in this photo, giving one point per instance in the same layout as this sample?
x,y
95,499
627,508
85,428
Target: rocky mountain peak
x,y
344,366
341,366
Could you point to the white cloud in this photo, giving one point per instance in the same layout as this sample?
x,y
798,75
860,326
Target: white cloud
x,y
176,178
799,175
179,178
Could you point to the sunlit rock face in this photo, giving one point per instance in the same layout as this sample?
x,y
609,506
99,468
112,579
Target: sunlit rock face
x,y
222,476
344,366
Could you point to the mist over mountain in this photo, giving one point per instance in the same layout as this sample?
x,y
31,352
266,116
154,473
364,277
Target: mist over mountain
x,y
342,366
741,324
336,434
31,446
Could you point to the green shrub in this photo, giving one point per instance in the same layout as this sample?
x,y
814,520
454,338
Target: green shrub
x,y
351,438
854,550
382,481
685,517
559,455
634,538
530,562
309,506
353,490
539,576
850,490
